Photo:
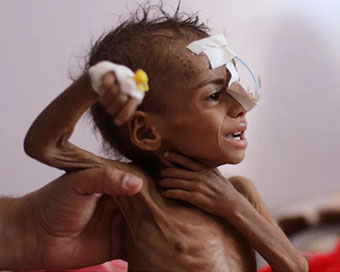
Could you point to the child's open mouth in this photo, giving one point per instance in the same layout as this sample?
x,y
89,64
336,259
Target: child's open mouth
x,y
237,139
234,136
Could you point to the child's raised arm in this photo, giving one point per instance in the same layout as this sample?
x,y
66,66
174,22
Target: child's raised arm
x,y
48,137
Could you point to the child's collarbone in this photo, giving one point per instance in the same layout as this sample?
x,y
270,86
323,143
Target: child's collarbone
x,y
168,235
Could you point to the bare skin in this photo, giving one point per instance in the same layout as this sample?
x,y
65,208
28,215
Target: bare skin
x,y
220,222
54,227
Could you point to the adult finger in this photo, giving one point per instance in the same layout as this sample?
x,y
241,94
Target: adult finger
x,y
108,180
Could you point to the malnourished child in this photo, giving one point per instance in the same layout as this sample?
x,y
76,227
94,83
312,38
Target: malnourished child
x,y
187,216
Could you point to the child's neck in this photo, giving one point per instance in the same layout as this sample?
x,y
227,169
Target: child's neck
x,y
152,165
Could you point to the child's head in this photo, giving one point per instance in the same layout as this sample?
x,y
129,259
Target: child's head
x,y
187,109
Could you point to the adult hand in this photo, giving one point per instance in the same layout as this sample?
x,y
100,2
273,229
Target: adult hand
x,y
71,222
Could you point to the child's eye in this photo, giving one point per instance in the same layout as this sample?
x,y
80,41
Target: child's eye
x,y
215,96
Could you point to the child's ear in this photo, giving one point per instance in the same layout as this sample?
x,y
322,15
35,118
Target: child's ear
x,y
143,132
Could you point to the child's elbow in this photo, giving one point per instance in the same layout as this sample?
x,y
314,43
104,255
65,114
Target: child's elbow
x,y
29,146
35,150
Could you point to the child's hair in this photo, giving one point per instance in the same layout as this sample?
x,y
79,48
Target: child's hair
x,y
142,42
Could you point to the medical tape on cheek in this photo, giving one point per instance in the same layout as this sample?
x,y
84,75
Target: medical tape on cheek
x,y
219,53
123,74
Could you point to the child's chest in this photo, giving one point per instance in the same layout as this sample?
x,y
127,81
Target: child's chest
x,y
169,236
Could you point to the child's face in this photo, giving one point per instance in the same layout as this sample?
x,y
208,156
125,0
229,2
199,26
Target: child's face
x,y
200,115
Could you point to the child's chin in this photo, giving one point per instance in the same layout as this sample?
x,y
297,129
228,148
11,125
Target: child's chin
x,y
228,161
235,160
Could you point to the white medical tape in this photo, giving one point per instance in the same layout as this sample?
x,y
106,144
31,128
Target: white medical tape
x,y
123,74
238,92
215,48
219,53
232,70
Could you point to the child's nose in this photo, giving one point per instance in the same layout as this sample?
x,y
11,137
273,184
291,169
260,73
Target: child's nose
x,y
235,109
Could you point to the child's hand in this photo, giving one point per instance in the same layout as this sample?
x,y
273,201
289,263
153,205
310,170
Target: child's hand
x,y
120,89
118,104
198,185
210,191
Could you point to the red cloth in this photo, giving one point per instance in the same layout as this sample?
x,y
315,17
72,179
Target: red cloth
x,y
113,266
327,262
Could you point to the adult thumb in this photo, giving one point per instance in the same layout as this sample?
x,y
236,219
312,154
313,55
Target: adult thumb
x,y
106,180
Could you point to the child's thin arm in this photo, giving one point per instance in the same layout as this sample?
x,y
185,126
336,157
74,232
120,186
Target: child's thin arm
x,y
270,234
265,236
47,138
245,187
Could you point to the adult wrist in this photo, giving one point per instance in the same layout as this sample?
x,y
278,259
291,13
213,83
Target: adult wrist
x,y
9,236
17,244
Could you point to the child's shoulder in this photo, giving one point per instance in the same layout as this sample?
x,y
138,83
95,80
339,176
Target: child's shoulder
x,y
248,189
242,184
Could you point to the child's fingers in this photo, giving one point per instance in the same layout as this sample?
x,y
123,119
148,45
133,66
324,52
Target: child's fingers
x,y
181,195
176,184
169,164
109,90
184,161
117,104
107,82
127,111
109,96
177,173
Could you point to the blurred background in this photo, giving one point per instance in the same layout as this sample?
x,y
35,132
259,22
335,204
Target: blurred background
x,y
294,45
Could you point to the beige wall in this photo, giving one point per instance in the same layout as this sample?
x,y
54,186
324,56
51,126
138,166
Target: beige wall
x,y
294,45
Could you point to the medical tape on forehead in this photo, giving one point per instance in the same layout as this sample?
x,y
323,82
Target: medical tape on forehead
x,y
219,53
215,48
